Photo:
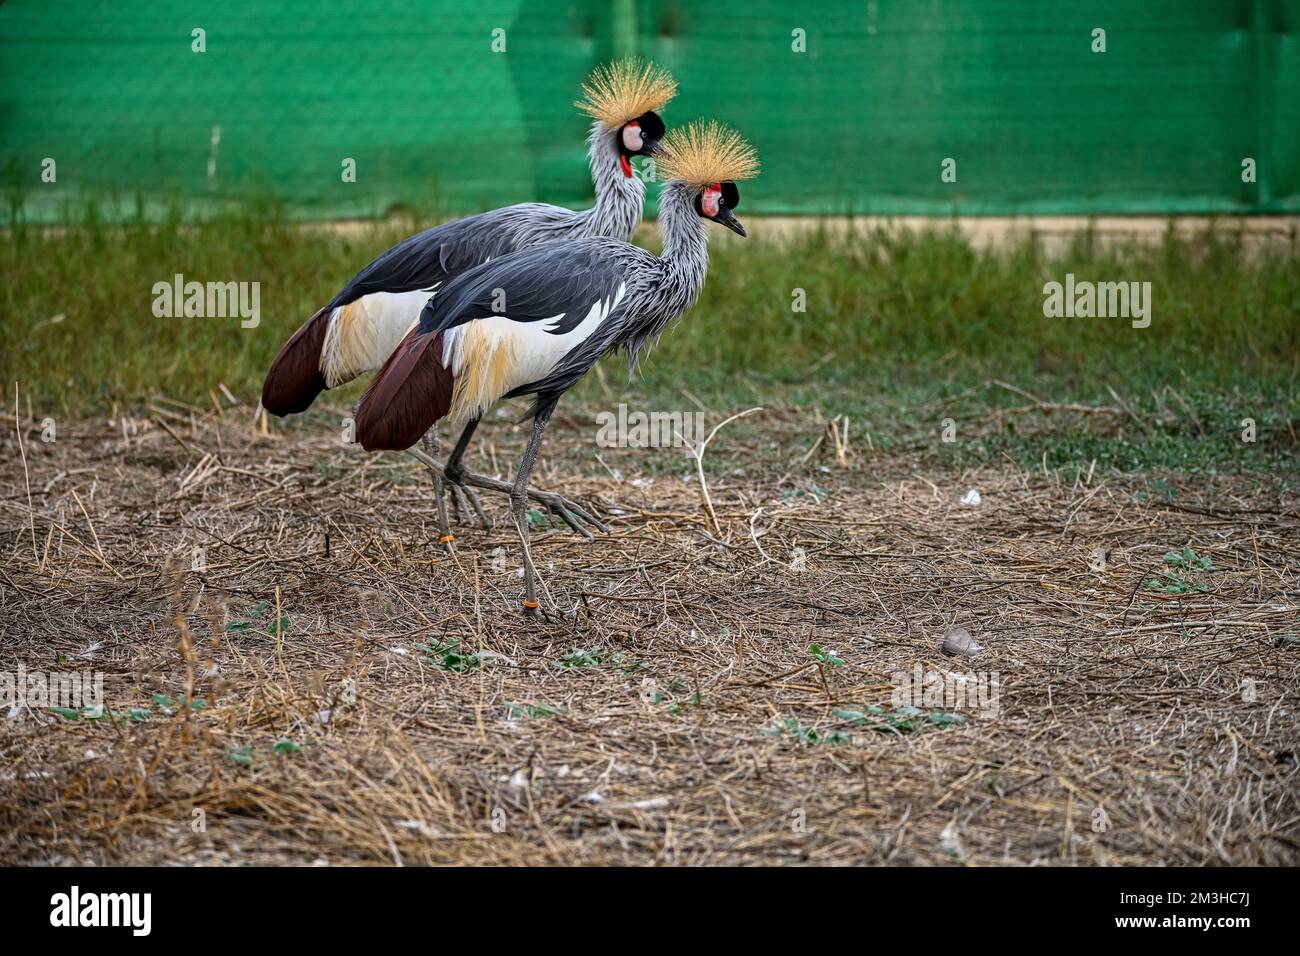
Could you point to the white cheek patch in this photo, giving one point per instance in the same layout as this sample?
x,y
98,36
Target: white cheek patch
x,y
710,200
632,137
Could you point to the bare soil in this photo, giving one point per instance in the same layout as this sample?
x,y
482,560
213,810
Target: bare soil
x,y
670,710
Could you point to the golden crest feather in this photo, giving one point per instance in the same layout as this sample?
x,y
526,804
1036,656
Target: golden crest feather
x,y
624,89
701,154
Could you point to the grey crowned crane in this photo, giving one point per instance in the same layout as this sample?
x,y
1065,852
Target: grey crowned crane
x,y
358,329
567,304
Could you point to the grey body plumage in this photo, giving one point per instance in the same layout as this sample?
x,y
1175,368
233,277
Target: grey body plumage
x,y
559,283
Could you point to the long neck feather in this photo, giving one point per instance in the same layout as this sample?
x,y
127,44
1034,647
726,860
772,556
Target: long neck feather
x,y
682,268
685,236
619,197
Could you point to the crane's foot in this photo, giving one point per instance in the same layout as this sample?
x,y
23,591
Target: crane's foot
x,y
570,512
567,510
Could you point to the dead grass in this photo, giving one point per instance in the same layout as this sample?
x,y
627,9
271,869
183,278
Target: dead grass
x,y
1113,696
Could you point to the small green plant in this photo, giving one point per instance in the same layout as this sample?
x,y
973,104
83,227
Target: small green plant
x,y
805,735
448,656
1172,585
85,713
827,657
902,720
1185,561
580,657
516,711
254,616
247,755
1190,560
170,707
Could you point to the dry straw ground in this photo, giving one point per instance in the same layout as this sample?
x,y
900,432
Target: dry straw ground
x,y
675,713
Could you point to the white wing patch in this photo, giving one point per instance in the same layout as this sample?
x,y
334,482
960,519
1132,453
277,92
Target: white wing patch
x,y
362,334
492,356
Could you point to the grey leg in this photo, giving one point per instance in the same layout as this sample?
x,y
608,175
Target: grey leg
x,y
431,448
519,504
570,512
455,470
455,473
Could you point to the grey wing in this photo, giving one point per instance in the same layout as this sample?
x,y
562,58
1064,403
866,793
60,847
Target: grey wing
x,y
436,256
583,290
558,282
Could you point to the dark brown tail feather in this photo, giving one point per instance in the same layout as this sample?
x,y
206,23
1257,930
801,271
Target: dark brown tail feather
x,y
295,378
410,393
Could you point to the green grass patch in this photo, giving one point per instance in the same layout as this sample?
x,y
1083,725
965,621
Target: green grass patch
x,y
900,330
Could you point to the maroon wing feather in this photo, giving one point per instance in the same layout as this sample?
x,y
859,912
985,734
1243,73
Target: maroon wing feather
x,y
295,377
411,392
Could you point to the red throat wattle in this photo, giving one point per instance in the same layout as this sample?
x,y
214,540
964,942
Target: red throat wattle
x,y
627,166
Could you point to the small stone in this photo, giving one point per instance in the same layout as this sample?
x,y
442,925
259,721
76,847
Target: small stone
x,y
972,498
958,642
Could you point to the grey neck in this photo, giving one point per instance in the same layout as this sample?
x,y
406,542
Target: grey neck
x,y
678,275
686,238
619,197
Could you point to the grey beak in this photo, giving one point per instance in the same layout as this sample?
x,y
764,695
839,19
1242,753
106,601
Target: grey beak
x,y
726,218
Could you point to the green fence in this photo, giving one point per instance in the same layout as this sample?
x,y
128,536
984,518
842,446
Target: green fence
x,y
855,107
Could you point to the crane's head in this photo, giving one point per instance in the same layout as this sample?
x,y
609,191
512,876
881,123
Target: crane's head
x,y
710,159
716,201
623,97
641,136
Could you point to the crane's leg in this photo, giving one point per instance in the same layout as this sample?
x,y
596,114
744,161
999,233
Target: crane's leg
x,y
519,504
431,443
463,481
462,496
455,473
571,513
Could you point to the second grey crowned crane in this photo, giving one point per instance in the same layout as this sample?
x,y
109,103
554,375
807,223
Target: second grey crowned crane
x,y
567,305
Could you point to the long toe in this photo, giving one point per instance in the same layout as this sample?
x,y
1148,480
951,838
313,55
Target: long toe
x,y
570,512
483,519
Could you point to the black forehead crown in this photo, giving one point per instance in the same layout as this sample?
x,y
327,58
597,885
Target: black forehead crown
x,y
730,195
651,125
